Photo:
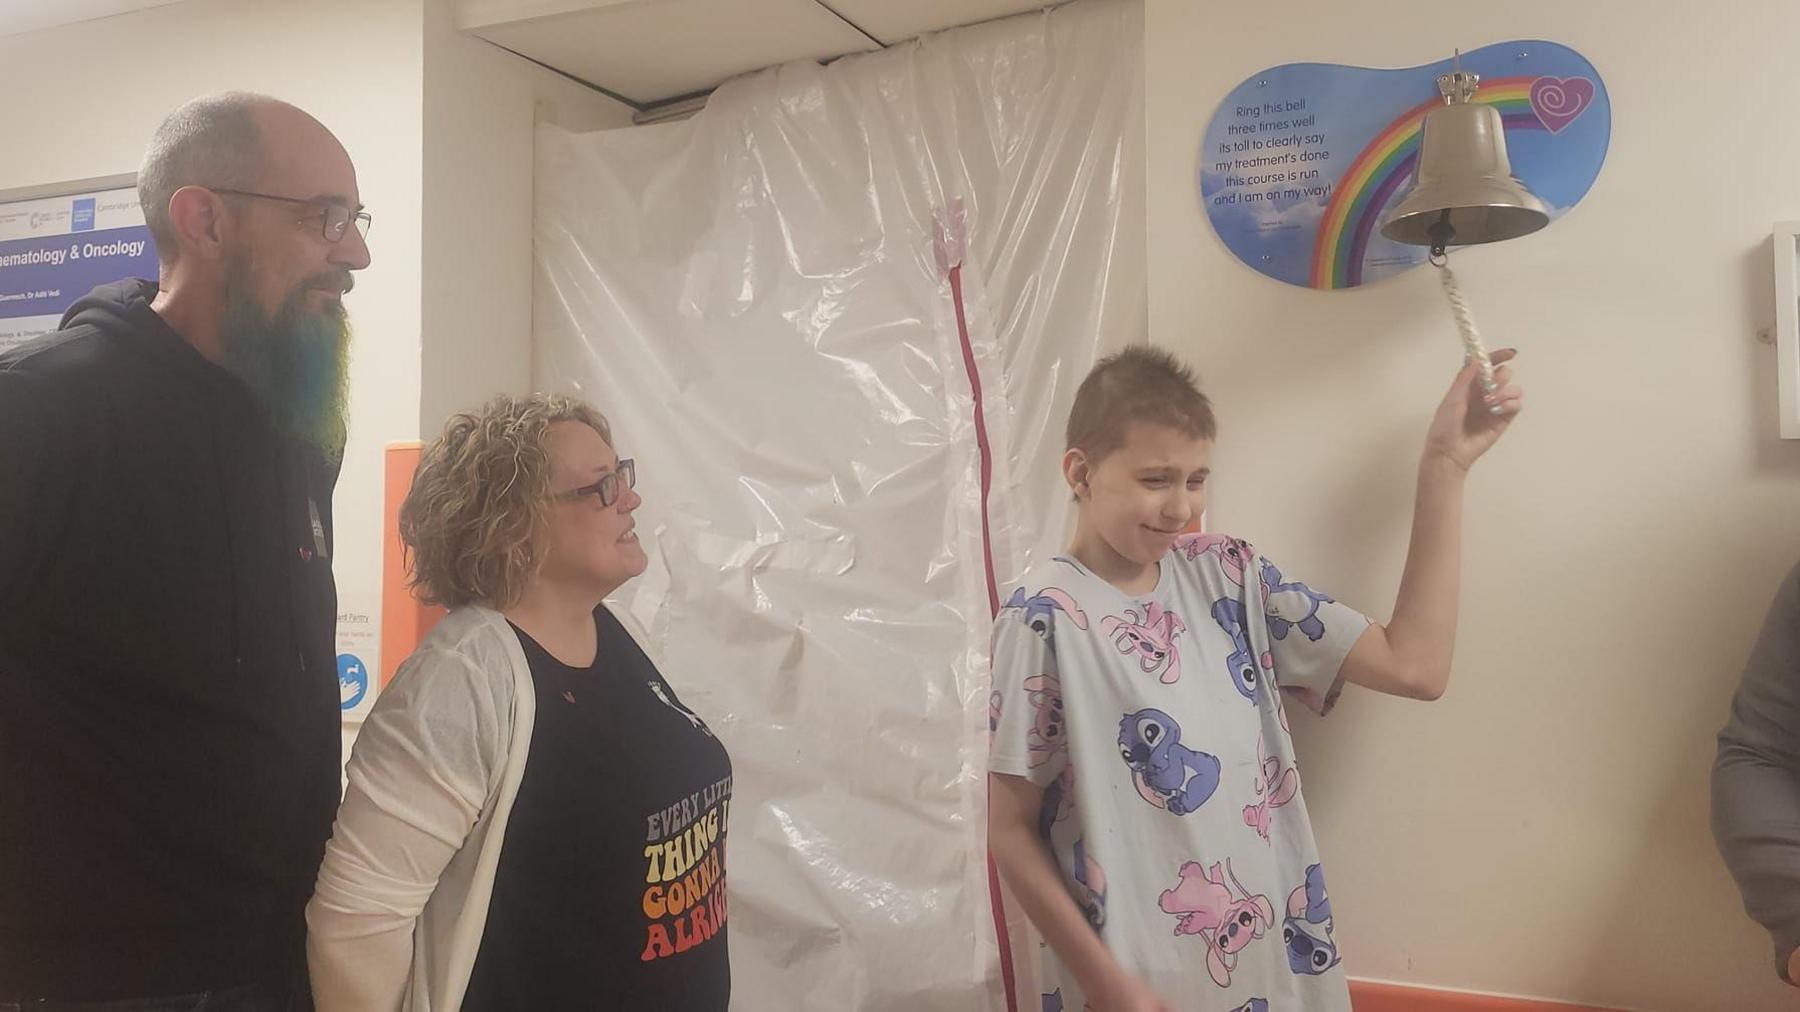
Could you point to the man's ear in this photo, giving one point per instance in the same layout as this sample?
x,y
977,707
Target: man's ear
x,y
199,218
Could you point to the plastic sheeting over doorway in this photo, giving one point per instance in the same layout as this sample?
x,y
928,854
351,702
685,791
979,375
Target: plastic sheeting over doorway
x,y
838,318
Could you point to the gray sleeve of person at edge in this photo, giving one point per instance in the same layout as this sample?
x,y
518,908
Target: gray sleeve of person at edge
x,y
1756,777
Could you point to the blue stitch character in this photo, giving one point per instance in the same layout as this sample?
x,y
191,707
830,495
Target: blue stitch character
x,y
1092,879
1246,675
1059,801
1290,605
1167,774
1253,1005
1053,1001
1307,930
1039,611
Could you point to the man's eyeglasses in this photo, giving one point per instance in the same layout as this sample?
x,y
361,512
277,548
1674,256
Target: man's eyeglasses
x,y
337,217
611,485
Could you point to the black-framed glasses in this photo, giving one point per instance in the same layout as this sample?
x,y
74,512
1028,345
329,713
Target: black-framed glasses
x,y
337,217
610,486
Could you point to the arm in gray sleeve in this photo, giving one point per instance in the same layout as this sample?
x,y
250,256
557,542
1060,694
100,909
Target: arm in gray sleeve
x,y
1756,777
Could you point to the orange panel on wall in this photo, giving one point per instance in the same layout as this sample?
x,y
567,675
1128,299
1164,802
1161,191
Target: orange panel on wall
x,y
404,619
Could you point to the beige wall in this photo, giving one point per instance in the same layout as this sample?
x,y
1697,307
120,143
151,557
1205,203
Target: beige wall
x,y
84,98
440,128
1542,830
481,105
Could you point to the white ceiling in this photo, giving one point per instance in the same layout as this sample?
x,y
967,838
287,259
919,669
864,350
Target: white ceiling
x,y
644,51
649,51
20,16
894,21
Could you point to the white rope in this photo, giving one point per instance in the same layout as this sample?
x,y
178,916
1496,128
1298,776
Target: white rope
x,y
1465,322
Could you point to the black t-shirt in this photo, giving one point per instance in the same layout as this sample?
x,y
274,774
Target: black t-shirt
x,y
610,891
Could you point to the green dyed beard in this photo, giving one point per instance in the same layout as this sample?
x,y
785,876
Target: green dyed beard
x,y
295,362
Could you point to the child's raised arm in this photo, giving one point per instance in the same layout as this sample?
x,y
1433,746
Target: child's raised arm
x,y
1410,656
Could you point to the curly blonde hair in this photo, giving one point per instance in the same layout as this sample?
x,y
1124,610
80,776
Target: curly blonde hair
x,y
480,498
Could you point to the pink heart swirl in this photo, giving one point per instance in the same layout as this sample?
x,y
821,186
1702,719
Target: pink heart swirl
x,y
1558,101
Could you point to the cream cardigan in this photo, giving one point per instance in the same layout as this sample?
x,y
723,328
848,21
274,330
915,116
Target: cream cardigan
x,y
402,898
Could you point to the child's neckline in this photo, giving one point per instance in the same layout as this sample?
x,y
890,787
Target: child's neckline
x,y
1162,577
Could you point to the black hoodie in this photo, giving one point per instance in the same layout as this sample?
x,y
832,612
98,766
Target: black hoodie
x,y
169,737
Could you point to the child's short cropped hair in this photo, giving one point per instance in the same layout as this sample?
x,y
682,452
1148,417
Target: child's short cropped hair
x,y
1139,384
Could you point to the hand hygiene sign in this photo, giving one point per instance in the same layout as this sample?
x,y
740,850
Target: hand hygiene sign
x,y
54,250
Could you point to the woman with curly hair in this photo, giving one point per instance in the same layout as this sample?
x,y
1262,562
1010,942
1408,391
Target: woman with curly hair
x,y
533,820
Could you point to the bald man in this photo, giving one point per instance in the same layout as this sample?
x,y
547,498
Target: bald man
x,y
169,739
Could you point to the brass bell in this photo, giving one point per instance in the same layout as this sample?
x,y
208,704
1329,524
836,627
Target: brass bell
x,y
1463,191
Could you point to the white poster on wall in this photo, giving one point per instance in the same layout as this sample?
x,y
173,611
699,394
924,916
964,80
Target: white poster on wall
x,y
54,250
358,656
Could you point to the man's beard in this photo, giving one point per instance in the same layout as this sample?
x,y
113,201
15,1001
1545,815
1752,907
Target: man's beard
x,y
296,362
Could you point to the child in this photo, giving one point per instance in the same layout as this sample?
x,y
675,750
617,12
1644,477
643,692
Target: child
x,y
1144,805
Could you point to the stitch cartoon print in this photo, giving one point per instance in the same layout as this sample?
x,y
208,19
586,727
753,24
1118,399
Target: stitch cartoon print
x,y
1167,773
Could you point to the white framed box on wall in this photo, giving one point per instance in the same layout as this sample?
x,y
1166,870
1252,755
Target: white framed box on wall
x,y
1787,324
